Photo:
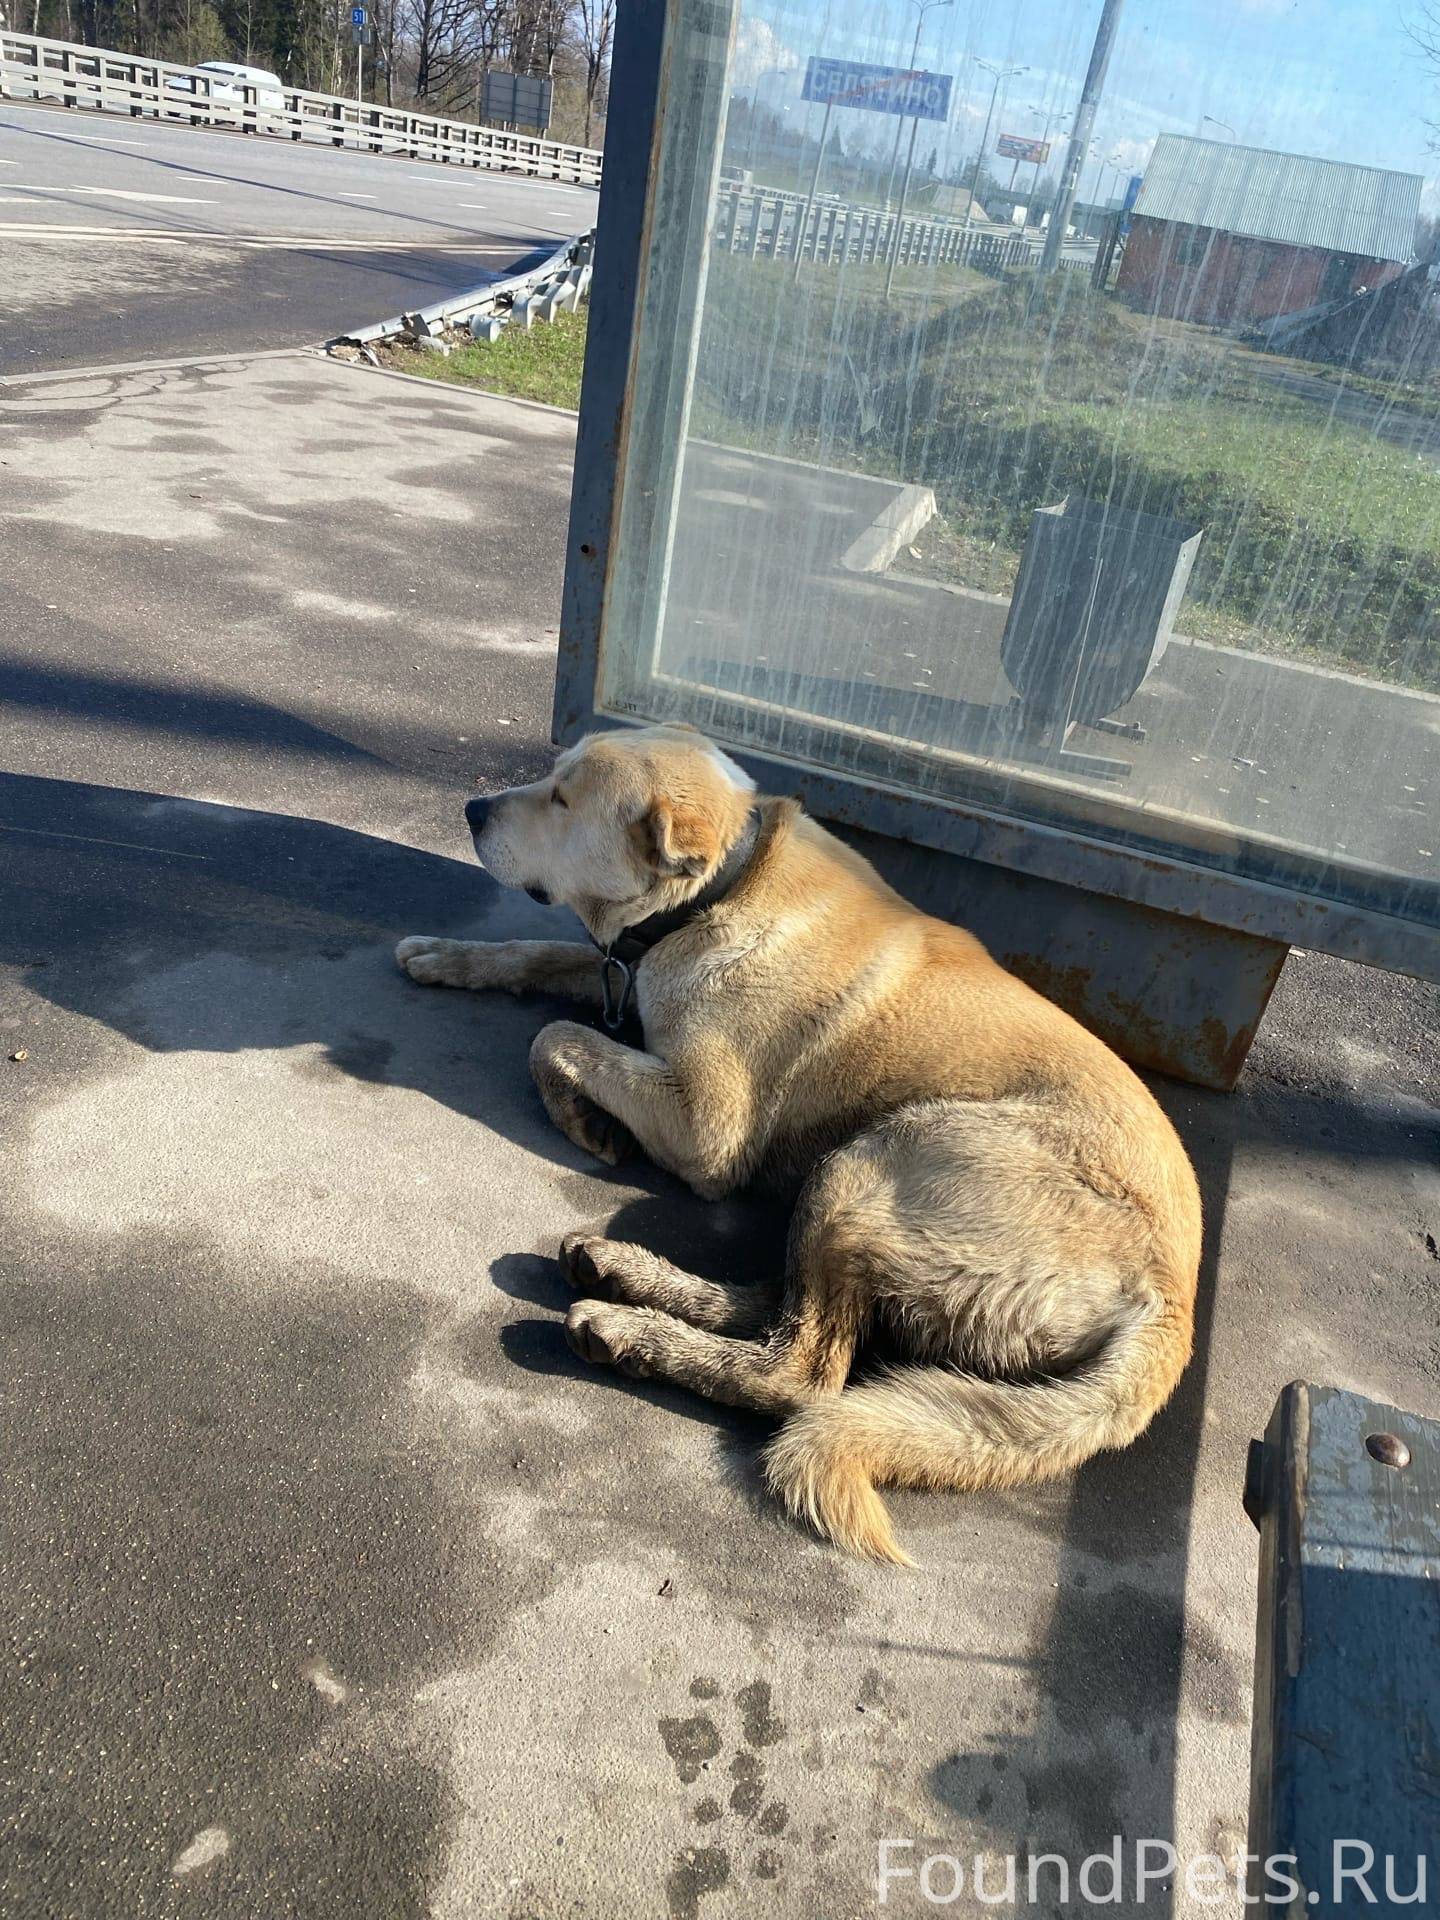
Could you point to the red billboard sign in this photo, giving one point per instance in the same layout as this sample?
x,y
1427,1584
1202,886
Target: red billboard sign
x,y
1014,146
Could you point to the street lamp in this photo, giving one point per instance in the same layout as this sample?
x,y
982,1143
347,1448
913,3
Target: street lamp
x,y
758,107
1208,119
924,6
1001,74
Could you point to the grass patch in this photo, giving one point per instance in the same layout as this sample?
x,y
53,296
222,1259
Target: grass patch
x,y
543,364
1320,540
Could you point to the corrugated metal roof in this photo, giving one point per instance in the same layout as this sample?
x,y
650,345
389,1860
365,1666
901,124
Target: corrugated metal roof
x,y
1289,197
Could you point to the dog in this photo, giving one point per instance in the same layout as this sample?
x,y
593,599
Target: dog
x,y
984,1182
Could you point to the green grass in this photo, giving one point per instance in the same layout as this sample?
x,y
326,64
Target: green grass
x,y
543,364
1320,541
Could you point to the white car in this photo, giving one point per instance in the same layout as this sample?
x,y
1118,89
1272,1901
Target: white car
x,y
229,84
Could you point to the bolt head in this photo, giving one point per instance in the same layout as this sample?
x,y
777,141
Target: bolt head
x,y
1388,1448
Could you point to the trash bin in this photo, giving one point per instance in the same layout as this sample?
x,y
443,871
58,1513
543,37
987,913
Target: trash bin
x,y
1093,608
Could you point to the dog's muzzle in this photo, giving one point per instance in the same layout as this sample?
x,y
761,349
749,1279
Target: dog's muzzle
x,y
477,812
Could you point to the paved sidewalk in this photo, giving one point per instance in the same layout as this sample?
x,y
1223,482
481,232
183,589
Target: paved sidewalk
x,y
334,1585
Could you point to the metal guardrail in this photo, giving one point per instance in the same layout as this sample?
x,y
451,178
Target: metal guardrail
x,y
772,223
95,78
555,284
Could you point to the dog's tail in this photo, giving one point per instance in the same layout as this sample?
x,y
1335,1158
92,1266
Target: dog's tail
x,y
938,1428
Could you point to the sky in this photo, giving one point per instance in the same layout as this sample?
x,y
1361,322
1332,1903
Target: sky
x,y
1341,79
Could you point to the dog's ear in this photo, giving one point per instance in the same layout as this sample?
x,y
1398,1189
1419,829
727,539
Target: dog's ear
x,y
679,839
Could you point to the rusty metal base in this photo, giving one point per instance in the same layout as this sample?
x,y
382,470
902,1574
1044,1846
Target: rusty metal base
x,y
1166,992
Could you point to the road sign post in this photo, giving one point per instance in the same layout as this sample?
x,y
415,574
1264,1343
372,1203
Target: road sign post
x,y
358,33
810,197
1016,147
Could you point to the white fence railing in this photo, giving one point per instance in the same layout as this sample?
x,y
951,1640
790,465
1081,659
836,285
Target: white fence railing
x,y
771,223
34,69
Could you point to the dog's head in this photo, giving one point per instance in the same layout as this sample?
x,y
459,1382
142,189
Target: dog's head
x,y
625,825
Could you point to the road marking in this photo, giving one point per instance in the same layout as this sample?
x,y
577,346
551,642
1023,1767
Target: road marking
x,y
112,193
359,196
32,229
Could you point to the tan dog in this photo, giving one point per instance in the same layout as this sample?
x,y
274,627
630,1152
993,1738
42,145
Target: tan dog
x,y
985,1181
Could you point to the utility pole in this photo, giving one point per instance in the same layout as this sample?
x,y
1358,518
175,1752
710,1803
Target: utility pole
x,y
810,197
900,210
1001,74
1051,120
1080,134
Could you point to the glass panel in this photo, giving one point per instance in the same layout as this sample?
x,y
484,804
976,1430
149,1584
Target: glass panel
x,y
1126,520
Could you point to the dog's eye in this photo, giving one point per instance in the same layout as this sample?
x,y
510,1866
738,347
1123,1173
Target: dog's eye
x,y
557,799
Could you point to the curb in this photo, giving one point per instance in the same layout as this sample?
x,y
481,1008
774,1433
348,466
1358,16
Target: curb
x,y
895,526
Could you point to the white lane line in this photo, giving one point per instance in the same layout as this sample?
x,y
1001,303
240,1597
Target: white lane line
x,y
110,193
291,241
358,196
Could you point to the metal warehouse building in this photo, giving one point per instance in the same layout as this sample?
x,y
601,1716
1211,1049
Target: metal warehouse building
x,y
1234,236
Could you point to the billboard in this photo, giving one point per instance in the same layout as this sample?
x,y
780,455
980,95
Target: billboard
x,y
1014,146
517,100
853,83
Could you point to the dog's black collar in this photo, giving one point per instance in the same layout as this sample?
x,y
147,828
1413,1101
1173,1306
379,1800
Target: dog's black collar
x,y
619,960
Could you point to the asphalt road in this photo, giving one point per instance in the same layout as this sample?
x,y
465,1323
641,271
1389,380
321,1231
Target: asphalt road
x,y
124,240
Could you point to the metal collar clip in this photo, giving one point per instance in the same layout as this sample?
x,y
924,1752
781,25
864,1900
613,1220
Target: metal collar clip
x,y
616,999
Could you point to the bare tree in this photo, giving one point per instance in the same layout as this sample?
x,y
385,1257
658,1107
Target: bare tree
x,y
595,27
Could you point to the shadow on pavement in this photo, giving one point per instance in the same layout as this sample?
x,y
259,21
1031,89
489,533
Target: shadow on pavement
x,y
125,700
1109,1668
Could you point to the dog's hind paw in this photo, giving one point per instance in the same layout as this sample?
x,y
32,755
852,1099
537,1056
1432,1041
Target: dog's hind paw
x,y
580,1264
603,1335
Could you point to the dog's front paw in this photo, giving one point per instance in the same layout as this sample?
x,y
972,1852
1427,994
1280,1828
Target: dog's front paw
x,y
557,1062
608,1336
432,961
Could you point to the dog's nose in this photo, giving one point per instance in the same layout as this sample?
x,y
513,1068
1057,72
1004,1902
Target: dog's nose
x,y
476,812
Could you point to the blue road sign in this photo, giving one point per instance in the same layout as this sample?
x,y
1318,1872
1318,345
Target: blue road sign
x,y
852,83
357,16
